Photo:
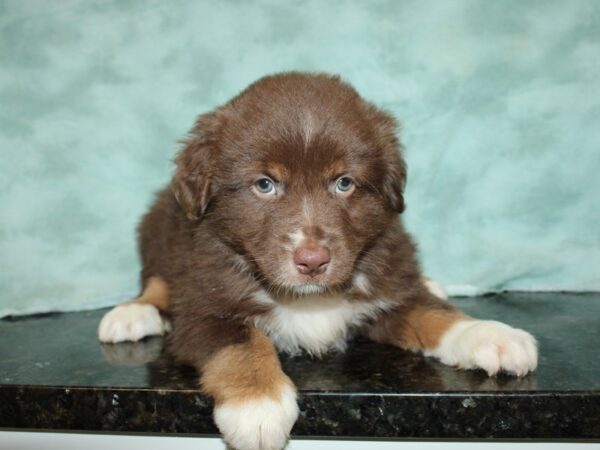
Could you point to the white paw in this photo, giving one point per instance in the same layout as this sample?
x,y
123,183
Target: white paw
x,y
258,424
489,345
131,322
435,288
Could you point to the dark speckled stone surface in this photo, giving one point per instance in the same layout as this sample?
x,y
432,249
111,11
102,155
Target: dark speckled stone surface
x,y
54,374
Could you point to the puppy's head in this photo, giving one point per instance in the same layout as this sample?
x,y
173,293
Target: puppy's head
x,y
298,174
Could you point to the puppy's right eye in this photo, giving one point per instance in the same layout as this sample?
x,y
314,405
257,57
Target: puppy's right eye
x,y
264,186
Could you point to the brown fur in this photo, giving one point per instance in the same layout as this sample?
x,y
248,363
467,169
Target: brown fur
x,y
419,328
244,371
217,245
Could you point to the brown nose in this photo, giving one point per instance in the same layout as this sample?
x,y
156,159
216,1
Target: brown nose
x,y
311,258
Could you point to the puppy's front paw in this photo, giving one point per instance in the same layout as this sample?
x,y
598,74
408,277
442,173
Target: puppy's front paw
x,y
261,423
489,345
131,322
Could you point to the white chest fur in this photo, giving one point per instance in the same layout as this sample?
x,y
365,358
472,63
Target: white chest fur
x,y
314,323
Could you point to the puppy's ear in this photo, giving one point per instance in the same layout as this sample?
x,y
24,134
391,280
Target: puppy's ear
x,y
195,164
394,180
394,167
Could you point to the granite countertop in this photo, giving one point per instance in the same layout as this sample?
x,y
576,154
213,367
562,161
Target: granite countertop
x,y
55,375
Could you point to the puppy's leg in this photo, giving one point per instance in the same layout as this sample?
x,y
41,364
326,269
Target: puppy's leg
x,y
139,318
255,402
434,327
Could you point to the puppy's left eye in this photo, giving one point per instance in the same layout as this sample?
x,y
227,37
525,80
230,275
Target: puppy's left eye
x,y
344,186
264,187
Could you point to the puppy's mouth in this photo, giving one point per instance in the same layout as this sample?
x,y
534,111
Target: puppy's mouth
x,y
308,268
297,281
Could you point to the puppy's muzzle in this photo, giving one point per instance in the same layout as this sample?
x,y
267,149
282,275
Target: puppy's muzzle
x,y
311,258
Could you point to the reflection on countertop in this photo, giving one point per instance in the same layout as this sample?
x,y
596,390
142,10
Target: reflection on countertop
x,y
54,374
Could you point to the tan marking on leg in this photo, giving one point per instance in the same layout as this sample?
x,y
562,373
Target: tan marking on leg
x,y
425,327
244,371
156,293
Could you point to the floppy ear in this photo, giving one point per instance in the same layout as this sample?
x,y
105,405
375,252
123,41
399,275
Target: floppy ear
x,y
394,180
192,180
394,167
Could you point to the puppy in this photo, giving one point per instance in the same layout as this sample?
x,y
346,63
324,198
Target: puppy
x,y
281,232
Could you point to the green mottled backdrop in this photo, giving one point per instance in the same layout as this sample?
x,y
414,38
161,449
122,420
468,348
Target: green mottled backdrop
x,y
500,104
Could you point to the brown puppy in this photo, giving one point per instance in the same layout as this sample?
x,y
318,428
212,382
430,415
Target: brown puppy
x,y
281,231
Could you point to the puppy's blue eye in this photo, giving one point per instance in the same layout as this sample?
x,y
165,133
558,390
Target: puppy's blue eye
x,y
265,186
344,185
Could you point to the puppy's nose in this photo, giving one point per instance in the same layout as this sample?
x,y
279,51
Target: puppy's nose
x,y
311,258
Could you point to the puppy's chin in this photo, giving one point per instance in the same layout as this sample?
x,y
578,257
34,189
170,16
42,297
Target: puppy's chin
x,y
297,285
308,289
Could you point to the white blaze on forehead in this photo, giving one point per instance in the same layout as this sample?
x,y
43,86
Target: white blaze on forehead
x,y
307,127
307,210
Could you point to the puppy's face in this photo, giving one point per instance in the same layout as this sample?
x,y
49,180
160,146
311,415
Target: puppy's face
x,y
299,175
